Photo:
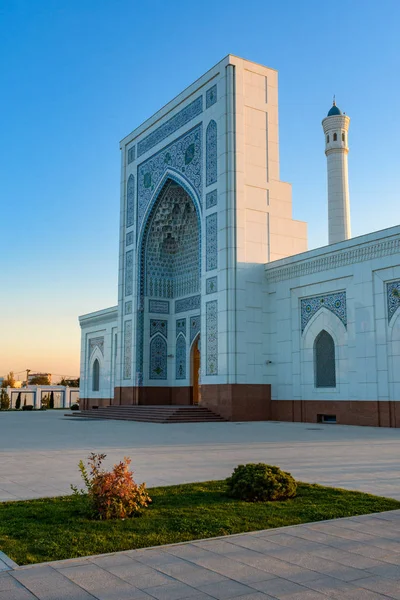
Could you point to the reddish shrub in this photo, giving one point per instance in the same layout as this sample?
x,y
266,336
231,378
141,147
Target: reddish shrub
x,y
112,494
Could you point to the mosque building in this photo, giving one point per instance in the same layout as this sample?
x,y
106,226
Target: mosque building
x,y
219,302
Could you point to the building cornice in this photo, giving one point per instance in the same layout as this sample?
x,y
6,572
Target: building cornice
x,y
101,316
334,259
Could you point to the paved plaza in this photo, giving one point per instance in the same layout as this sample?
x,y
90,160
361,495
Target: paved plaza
x,y
345,559
40,452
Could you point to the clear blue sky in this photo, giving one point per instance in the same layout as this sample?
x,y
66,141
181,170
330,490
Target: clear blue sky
x,y
78,75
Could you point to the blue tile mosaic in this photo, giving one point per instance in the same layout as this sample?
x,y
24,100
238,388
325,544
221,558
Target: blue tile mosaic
x,y
130,201
211,153
212,337
195,324
181,326
129,238
131,155
159,306
185,304
212,285
129,273
169,127
211,199
139,341
211,242
158,358
158,326
335,302
128,307
172,257
211,96
393,298
127,350
180,357
183,156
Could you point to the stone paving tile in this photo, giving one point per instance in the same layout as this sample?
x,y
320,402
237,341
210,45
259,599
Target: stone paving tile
x,y
256,596
231,568
226,589
140,576
48,584
191,574
387,571
102,584
7,582
172,591
152,557
279,588
386,587
17,594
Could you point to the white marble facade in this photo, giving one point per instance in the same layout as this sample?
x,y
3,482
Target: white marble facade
x,y
208,248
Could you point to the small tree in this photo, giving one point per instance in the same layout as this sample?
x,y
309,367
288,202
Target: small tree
x,y
4,400
39,380
51,401
9,380
18,402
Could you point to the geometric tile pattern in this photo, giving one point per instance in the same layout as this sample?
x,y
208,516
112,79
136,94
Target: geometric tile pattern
x,y
211,199
211,96
128,349
212,285
211,153
159,306
158,358
158,326
335,302
129,273
180,357
129,239
393,298
131,155
212,337
179,120
128,307
191,303
211,242
195,323
97,342
172,257
181,327
130,201
184,155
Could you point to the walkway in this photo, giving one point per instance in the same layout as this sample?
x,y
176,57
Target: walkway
x,y
353,559
39,452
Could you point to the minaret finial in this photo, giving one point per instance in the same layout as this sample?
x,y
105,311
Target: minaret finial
x,y
334,100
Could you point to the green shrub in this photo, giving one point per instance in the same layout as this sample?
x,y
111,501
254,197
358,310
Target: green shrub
x,y
27,407
74,406
261,483
113,494
18,402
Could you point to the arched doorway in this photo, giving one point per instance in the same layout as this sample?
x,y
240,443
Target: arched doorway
x,y
169,289
195,361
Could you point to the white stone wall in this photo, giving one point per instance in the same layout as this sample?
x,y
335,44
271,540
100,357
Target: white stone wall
x,y
98,341
367,347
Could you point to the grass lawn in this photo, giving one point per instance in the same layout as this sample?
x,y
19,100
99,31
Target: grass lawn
x,y
57,528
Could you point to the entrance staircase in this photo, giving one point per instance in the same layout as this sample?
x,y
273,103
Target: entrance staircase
x,y
151,414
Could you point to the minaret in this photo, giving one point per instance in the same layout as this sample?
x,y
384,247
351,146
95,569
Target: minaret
x,y
336,127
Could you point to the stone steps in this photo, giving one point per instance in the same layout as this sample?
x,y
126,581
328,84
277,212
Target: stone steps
x,y
151,414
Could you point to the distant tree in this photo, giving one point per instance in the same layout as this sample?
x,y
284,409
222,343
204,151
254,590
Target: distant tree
x,y
9,380
70,382
45,401
25,401
4,400
51,401
39,380
18,402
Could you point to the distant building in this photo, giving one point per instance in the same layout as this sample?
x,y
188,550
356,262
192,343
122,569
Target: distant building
x,y
32,376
